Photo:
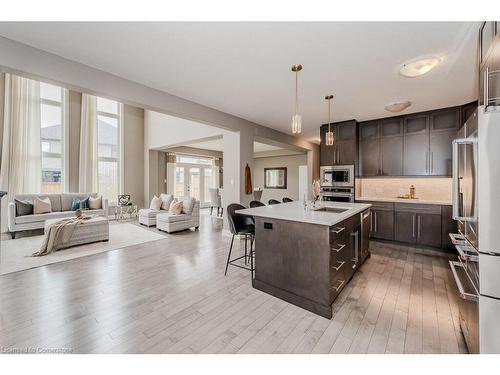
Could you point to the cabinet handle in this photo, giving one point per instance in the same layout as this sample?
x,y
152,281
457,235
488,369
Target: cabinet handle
x,y
432,162
427,162
375,221
413,225
418,227
341,246
339,267
340,285
486,89
338,230
371,221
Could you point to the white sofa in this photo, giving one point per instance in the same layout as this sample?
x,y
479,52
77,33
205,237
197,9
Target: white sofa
x,y
169,223
147,216
61,208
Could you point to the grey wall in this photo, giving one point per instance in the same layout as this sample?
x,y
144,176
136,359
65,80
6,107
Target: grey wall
x,y
75,113
133,146
292,163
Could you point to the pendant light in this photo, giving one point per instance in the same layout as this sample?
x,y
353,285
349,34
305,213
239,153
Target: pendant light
x,y
329,134
296,119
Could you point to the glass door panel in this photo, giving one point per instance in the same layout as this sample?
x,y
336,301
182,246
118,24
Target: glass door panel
x,y
180,187
194,182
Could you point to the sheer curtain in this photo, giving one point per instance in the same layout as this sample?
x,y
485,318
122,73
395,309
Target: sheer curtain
x,y
88,182
20,167
20,170
171,159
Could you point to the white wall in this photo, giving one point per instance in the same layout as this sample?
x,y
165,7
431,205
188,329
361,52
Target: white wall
x,y
292,163
161,130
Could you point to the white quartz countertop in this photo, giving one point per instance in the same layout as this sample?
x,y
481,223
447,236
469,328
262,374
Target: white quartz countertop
x,y
294,211
402,200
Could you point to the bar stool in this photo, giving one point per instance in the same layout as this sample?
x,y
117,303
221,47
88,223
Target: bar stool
x,y
241,225
286,200
254,204
273,201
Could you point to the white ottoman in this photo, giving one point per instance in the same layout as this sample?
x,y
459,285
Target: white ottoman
x,y
147,216
173,223
95,229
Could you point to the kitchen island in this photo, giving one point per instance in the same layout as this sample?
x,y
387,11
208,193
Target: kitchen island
x,y
306,257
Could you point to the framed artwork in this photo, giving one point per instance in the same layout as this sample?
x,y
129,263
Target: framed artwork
x,y
124,200
275,178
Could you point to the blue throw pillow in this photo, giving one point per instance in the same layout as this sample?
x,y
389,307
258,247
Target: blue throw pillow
x,y
75,205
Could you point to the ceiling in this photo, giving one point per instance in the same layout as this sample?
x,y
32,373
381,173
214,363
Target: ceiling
x,y
244,68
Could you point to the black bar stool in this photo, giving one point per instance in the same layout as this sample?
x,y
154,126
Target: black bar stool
x,y
273,201
286,200
241,225
254,204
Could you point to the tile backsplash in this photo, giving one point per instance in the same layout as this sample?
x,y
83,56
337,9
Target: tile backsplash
x,y
438,189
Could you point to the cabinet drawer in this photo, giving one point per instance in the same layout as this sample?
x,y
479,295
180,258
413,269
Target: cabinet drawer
x,y
381,206
418,208
338,231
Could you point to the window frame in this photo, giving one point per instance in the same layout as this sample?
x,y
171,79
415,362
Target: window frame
x,y
64,154
119,119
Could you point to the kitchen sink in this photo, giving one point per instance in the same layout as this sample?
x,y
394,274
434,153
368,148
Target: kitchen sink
x,y
332,209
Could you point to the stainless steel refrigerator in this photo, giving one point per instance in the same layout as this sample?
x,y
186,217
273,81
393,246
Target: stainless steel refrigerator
x,y
476,207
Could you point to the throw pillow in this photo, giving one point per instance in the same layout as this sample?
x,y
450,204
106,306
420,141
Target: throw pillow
x,y
188,205
75,205
155,203
95,203
175,207
166,199
23,208
42,206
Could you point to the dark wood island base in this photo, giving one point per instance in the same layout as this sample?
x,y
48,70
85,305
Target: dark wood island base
x,y
309,264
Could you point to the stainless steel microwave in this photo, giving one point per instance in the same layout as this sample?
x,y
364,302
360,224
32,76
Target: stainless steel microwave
x,y
337,175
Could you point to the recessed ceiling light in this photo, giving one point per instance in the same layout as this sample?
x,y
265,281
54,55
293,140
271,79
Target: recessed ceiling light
x,y
398,107
419,67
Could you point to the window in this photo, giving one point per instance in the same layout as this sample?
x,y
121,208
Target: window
x,y
109,148
52,136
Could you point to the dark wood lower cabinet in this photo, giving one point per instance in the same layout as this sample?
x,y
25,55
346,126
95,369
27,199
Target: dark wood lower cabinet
x,y
429,230
405,227
382,224
421,224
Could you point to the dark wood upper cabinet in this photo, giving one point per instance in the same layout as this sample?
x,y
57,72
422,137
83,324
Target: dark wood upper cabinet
x,y
369,157
346,131
416,124
416,155
327,153
417,144
440,156
391,127
391,156
445,120
368,130
346,153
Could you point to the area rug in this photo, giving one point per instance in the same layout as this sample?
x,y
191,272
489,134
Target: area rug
x,y
14,254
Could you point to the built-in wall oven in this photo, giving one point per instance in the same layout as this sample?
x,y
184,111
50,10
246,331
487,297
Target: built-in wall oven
x,y
337,194
337,176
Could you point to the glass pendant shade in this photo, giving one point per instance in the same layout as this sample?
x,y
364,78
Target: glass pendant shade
x,y
329,138
296,124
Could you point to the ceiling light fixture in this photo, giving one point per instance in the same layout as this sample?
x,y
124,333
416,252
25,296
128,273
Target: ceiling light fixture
x,y
329,135
419,67
398,107
296,119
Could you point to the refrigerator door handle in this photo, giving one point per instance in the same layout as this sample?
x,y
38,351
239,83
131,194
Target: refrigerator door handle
x,y
457,214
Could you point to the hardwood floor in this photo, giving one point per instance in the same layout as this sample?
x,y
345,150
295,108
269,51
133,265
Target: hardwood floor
x,y
171,296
